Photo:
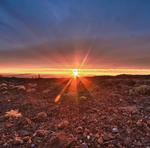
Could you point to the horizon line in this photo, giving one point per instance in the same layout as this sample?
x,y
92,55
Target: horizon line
x,y
69,71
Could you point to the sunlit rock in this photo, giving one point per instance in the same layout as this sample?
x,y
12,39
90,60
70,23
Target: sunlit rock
x,y
3,85
13,113
20,87
30,90
18,140
32,85
63,124
46,91
42,116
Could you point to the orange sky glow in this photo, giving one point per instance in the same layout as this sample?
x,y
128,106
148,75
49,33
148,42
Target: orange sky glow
x,y
70,72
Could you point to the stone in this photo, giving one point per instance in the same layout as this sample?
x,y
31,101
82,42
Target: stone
x,y
13,113
42,116
100,140
83,98
84,145
127,140
129,108
4,88
42,132
97,135
27,139
32,145
24,133
9,100
18,140
3,85
32,84
20,87
107,137
8,125
59,140
5,92
79,129
30,90
147,108
25,121
139,123
45,91
88,137
63,124
115,130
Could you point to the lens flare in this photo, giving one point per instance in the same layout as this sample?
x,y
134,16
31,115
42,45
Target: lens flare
x,y
75,72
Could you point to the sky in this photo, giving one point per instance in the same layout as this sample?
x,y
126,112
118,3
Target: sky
x,y
74,33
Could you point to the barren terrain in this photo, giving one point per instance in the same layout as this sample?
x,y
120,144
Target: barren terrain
x,y
106,112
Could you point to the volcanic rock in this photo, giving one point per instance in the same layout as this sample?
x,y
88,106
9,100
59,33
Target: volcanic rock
x,y
18,140
25,121
100,140
41,133
63,124
147,108
4,88
13,113
59,140
115,130
84,145
79,129
20,87
46,91
42,116
24,133
129,108
32,85
88,137
107,137
5,92
83,98
32,145
139,123
3,85
30,90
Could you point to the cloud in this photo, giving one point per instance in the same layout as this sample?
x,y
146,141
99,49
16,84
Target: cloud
x,y
52,33
103,53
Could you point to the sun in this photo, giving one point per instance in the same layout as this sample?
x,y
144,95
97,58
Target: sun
x,y
75,72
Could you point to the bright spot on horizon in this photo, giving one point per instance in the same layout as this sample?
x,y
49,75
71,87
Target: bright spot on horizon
x,y
75,72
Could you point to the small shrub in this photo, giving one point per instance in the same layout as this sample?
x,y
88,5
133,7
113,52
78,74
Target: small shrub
x,y
140,90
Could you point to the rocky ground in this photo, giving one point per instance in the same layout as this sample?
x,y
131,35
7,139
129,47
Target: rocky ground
x,y
107,112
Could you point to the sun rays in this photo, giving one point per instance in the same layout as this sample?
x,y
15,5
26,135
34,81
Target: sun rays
x,y
72,84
